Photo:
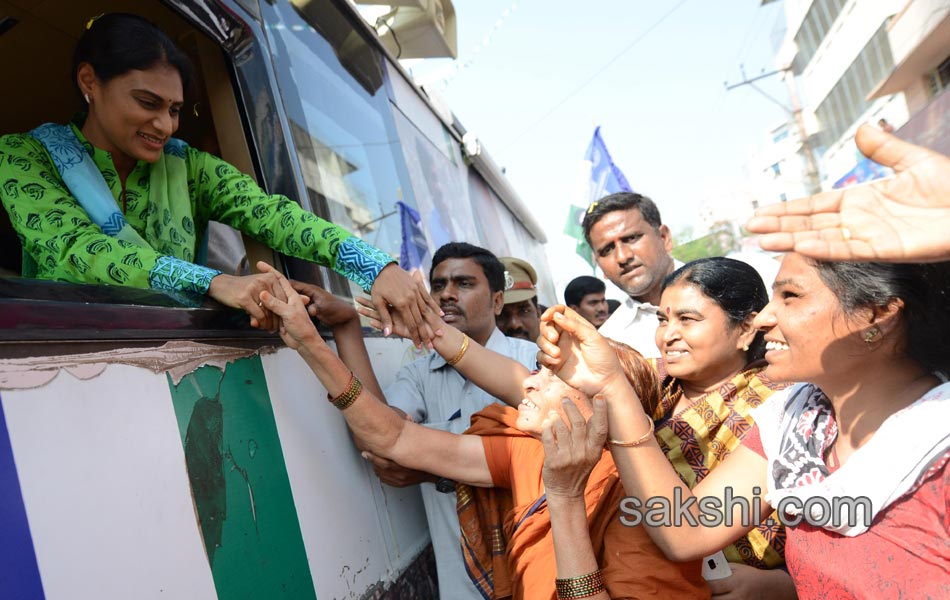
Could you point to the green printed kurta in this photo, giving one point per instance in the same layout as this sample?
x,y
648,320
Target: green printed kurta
x,y
66,245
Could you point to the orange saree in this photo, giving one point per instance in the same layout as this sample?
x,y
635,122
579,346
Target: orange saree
x,y
506,530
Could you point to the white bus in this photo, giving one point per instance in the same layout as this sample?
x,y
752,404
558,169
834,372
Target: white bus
x,y
154,446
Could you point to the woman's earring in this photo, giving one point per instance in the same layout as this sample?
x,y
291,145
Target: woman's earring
x,y
745,348
86,96
871,335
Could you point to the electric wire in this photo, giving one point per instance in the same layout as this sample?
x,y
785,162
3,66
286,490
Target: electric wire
x,y
587,81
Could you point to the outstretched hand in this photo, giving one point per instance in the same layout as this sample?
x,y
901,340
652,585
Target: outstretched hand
x,y
570,453
368,309
898,219
244,292
575,352
296,328
402,301
326,307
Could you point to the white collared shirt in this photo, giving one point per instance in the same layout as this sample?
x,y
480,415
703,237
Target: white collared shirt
x,y
634,323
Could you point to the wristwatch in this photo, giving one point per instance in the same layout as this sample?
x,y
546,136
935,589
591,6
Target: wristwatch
x,y
445,485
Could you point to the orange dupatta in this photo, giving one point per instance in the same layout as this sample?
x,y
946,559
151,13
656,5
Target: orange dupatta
x,y
506,533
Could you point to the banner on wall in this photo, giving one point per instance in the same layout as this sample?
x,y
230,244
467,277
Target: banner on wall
x,y
866,170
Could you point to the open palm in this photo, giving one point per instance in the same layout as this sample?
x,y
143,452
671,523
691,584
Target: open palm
x,y
903,218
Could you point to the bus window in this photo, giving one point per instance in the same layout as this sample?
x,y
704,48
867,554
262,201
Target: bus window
x,y
48,33
211,121
337,105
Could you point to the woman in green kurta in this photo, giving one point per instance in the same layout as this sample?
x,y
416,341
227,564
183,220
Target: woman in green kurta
x,y
112,198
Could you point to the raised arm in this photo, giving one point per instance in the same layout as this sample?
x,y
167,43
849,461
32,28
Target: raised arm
x,y
570,455
343,320
572,348
899,219
383,431
230,196
500,376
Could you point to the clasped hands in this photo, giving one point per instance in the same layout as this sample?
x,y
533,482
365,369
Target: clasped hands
x,y
401,300
572,349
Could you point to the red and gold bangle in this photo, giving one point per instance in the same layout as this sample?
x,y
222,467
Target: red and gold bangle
x,y
349,395
582,586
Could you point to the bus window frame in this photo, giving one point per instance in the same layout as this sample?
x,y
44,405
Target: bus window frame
x,y
47,311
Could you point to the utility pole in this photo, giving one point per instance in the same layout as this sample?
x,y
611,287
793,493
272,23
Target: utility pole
x,y
795,111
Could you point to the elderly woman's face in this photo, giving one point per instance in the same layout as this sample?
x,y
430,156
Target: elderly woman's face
x,y
543,392
137,112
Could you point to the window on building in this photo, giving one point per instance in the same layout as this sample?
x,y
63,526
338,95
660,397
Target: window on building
x,y
846,101
816,25
783,197
777,169
939,79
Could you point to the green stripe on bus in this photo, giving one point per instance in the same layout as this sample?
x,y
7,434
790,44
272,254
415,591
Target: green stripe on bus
x,y
239,481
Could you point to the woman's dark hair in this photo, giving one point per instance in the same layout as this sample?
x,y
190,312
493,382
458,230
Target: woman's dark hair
x,y
117,43
732,284
924,289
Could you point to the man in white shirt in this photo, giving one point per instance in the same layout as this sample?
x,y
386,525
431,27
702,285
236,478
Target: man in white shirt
x,y
632,246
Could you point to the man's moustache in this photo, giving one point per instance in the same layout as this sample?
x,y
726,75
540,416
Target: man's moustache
x,y
455,308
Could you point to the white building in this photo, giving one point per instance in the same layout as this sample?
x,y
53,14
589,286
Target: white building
x,y
777,170
839,52
919,36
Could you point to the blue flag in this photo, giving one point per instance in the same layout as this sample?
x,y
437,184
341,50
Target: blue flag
x,y
414,250
605,179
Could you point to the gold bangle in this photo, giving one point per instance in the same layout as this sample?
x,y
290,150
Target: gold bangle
x,y
349,395
582,586
461,352
635,443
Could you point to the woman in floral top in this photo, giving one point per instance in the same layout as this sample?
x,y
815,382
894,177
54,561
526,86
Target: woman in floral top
x,y
112,198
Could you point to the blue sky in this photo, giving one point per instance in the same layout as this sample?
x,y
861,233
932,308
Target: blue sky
x,y
665,115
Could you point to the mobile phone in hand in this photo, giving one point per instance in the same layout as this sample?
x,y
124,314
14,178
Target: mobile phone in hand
x,y
715,566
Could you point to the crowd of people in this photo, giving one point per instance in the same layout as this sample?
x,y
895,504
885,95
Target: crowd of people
x,y
702,439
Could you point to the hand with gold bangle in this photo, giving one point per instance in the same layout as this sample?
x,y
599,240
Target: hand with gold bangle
x,y
582,586
349,395
448,345
498,375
